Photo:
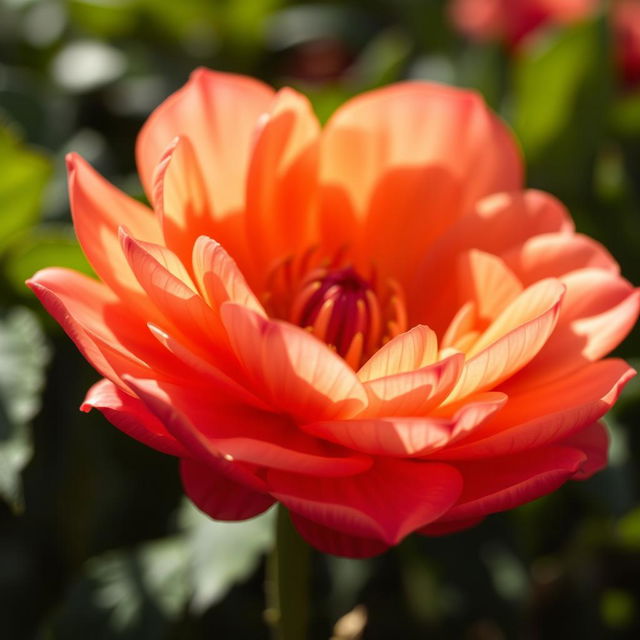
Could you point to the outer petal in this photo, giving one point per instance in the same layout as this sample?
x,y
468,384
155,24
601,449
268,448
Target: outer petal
x,y
98,210
556,254
130,415
495,225
547,414
594,442
394,159
218,495
335,542
218,112
213,429
498,484
386,503
299,375
282,181
598,311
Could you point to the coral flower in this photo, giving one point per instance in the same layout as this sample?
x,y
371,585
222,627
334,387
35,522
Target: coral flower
x,y
512,21
372,323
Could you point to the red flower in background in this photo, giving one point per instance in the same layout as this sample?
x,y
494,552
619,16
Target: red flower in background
x,y
626,23
372,323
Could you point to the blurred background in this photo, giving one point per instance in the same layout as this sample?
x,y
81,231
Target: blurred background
x,y
95,539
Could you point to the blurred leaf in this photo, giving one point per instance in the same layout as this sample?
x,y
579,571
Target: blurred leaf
x,y
222,553
625,115
23,176
45,247
617,608
23,357
548,83
103,18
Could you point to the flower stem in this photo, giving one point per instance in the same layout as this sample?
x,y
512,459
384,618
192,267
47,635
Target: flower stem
x,y
288,582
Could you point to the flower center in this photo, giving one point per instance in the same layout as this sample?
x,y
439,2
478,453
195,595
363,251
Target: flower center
x,y
352,314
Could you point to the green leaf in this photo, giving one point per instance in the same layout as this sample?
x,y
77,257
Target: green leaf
x,y
44,247
549,81
24,175
23,357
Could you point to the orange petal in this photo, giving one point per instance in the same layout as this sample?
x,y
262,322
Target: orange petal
x,y
386,503
218,494
98,210
486,281
495,225
408,351
598,311
413,393
213,428
101,327
219,279
406,436
498,484
593,441
282,181
131,416
512,340
299,374
547,414
395,158
556,254
192,319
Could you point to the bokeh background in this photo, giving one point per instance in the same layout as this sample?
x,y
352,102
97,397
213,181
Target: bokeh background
x,y
95,538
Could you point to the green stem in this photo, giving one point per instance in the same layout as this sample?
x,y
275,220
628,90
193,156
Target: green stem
x,y
288,582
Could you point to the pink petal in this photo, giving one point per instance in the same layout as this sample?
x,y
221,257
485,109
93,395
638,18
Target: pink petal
x,y
386,503
131,416
218,495
299,375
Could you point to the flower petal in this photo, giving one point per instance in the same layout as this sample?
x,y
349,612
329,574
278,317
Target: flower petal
x,y
512,340
282,181
416,150
547,414
218,495
594,442
131,416
218,113
386,503
407,436
214,429
335,542
98,210
408,351
498,484
298,374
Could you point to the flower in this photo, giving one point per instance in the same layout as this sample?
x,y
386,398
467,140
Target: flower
x,y
372,323
514,21
626,25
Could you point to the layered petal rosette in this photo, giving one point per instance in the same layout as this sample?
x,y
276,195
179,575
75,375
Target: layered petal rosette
x,y
372,323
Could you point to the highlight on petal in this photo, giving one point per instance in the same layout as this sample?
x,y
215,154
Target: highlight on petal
x,y
297,373
131,416
547,413
282,180
512,340
388,502
218,113
403,149
218,494
99,210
